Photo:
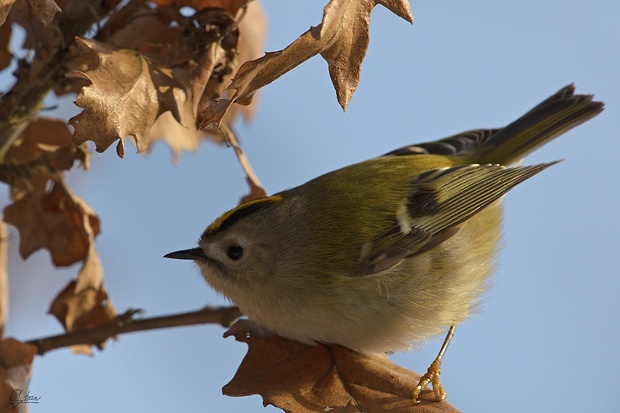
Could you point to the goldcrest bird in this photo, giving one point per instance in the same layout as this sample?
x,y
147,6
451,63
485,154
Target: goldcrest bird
x,y
381,254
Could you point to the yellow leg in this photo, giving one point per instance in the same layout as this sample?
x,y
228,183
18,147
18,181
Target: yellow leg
x,y
432,374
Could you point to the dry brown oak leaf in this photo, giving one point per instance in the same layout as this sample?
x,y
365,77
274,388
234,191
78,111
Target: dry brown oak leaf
x,y
147,33
84,303
342,39
299,378
43,10
245,40
58,221
43,150
62,223
128,93
15,371
152,35
44,135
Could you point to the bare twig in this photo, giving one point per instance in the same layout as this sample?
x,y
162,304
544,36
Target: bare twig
x,y
126,323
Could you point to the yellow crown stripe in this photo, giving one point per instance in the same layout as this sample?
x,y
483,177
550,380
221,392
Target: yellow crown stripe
x,y
242,210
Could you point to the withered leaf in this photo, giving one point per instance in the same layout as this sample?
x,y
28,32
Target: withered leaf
x,y
45,147
301,378
14,353
149,102
37,137
84,303
128,93
58,221
15,370
43,10
342,39
82,309
204,82
145,31
5,8
41,136
252,28
183,136
199,78
347,23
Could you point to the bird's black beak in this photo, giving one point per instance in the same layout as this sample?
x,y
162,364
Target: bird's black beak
x,y
191,254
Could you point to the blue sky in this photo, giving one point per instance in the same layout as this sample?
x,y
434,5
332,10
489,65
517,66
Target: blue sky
x,y
546,338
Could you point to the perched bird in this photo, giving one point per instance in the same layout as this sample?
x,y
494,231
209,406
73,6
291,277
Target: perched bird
x,y
378,255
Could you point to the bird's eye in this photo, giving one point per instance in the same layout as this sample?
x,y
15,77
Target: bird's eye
x,y
234,252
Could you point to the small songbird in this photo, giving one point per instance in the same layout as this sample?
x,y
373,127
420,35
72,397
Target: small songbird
x,y
378,255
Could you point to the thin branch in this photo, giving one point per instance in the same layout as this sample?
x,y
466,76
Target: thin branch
x,y
126,323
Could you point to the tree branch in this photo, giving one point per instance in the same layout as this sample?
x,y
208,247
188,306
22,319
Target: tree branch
x,y
125,323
